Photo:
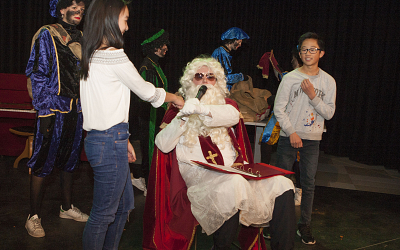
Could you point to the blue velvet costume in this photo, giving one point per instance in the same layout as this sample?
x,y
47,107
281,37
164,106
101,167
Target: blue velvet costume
x,y
53,68
223,56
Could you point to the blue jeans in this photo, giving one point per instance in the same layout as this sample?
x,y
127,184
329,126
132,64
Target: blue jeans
x,y
309,154
107,152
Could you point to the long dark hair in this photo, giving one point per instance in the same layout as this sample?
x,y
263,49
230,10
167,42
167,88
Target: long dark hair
x,y
101,26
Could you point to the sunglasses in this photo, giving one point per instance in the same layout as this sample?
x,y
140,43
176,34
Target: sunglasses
x,y
210,76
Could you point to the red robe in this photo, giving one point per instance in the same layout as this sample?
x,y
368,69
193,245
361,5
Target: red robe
x,y
168,222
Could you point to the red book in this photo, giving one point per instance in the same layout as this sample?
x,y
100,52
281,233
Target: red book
x,y
253,171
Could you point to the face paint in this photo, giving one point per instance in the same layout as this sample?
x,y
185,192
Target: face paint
x,y
73,14
238,43
164,51
74,17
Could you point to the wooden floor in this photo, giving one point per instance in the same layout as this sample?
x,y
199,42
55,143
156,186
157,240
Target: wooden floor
x,y
355,207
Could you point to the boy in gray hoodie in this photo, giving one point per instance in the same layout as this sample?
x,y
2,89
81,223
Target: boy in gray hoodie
x,y
304,100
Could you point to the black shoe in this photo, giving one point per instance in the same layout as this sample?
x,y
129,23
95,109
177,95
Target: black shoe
x,y
305,233
266,233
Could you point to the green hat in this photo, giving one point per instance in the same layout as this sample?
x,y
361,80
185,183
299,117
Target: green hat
x,y
155,41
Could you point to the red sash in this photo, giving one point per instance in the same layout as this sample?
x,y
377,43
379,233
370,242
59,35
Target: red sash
x,y
213,155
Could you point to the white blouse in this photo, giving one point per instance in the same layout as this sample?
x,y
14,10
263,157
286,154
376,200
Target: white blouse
x,y
105,95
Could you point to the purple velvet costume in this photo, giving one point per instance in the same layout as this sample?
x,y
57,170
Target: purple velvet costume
x,y
55,90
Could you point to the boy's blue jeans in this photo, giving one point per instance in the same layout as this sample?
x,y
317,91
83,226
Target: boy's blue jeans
x,y
309,154
107,152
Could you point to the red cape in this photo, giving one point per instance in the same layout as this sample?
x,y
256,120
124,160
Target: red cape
x,y
168,222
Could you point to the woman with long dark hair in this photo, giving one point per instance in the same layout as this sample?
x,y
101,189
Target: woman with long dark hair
x,y
107,78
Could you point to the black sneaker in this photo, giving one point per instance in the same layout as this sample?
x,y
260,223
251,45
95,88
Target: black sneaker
x,y
305,233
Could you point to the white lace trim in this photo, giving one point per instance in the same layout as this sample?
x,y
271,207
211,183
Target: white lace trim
x,y
156,96
109,57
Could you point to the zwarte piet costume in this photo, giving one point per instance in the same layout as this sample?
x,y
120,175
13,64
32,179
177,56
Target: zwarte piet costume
x,y
224,57
53,69
149,118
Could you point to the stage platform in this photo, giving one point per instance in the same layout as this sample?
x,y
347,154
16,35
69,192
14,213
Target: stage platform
x,y
356,207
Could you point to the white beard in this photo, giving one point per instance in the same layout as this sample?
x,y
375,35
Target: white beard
x,y
213,95
195,125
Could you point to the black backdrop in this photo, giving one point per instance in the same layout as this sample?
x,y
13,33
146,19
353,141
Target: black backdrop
x,y
362,54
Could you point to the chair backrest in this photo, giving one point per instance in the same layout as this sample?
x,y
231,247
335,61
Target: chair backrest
x,y
13,92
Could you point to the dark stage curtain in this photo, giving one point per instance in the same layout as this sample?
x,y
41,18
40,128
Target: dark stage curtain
x,y
362,54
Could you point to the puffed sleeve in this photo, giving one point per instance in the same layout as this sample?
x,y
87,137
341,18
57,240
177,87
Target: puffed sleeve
x,y
42,70
129,76
225,59
168,138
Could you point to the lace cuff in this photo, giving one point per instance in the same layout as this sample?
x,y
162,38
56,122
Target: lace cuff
x,y
158,97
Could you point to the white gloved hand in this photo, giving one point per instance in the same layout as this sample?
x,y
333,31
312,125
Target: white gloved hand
x,y
193,106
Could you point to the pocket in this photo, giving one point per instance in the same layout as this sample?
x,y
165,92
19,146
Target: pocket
x,y
122,135
94,151
121,148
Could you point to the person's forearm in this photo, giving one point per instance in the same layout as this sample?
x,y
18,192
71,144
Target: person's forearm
x,y
170,97
176,100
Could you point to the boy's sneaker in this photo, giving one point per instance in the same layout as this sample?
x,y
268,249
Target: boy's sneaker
x,y
297,196
140,183
34,226
74,214
305,233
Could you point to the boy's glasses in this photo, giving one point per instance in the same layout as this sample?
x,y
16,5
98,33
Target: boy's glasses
x,y
210,76
312,51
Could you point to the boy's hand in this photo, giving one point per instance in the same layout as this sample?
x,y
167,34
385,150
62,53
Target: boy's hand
x,y
295,140
131,153
308,88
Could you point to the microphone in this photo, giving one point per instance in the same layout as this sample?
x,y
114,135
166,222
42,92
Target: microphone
x,y
201,92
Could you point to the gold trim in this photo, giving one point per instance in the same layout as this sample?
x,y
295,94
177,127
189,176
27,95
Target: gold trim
x,y
58,65
254,242
59,111
46,115
157,71
155,200
193,235
65,112
244,151
142,67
